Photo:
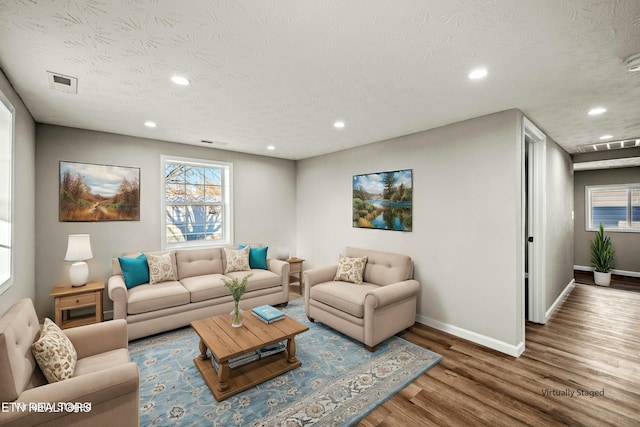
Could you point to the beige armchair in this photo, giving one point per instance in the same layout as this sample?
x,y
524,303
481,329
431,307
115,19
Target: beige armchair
x,y
104,376
372,311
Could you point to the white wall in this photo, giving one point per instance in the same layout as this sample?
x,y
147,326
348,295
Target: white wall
x,y
559,223
23,203
264,201
467,240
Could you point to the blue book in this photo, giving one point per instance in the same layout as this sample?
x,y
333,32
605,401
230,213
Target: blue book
x,y
268,313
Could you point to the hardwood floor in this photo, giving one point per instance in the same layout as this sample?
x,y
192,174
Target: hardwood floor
x,y
617,282
581,368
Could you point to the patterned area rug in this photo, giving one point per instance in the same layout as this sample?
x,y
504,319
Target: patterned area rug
x,y
338,384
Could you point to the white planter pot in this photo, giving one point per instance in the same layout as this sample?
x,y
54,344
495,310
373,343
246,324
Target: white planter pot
x,y
602,279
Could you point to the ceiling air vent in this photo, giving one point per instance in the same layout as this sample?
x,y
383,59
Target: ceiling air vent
x,y
612,145
62,83
216,143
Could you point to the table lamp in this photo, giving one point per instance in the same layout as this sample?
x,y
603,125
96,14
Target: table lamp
x,y
78,250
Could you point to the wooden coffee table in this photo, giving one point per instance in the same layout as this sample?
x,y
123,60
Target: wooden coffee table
x,y
226,342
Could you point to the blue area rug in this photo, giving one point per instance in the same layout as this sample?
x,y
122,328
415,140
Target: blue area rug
x,y
338,384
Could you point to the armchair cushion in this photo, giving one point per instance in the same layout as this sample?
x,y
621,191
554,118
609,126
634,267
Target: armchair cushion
x,y
346,297
350,269
54,353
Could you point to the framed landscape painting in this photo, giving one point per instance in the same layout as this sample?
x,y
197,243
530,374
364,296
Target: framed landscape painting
x,y
383,200
91,192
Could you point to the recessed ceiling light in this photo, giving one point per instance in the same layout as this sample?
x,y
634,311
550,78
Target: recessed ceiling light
x,y
271,147
597,110
605,137
338,125
179,80
478,73
150,124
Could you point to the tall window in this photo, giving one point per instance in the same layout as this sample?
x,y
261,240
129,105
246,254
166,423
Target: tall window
x,y
6,192
197,202
617,207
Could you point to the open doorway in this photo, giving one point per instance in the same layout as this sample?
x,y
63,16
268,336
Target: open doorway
x,y
534,222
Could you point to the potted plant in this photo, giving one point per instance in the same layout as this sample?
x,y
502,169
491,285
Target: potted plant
x,y
602,253
237,290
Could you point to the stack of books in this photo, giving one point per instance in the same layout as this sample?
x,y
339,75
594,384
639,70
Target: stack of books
x,y
242,360
267,314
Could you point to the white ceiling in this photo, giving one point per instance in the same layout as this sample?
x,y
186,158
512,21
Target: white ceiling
x,y
280,72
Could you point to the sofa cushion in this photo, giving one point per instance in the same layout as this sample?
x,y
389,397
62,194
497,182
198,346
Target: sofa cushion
x,y
134,270
344,296
236,260
160,268
19,328
261,279
54,353
101,361
257,257
206,287
199,262
383,268
145,298
350,269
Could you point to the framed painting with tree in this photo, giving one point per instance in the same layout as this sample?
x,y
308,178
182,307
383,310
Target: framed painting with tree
x,y
90,192
383,200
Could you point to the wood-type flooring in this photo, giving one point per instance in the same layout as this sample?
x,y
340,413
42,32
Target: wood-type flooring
x,y
581,368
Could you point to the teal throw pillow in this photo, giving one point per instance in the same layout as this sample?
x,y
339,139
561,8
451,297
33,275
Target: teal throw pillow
x,y
257,257
134,270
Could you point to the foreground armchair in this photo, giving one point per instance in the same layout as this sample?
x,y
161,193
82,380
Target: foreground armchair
x,y
381,305
104,387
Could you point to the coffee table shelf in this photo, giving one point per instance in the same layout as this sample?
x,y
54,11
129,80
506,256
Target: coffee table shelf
x,y
226,342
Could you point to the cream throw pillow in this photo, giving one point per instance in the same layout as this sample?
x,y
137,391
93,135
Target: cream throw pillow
x,y
350,269
54,353
160,268
237,260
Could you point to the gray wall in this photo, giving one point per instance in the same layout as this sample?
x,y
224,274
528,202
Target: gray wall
x,y
627,245
23,203
264,201
559,224
467,240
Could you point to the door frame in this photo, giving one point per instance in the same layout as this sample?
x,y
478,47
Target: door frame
x,y
536,218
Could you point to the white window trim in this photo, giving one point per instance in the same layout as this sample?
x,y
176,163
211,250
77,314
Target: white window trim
x,y
7,282
587,207
227,213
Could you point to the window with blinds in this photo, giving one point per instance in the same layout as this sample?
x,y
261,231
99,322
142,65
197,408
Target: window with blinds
x,y
617,207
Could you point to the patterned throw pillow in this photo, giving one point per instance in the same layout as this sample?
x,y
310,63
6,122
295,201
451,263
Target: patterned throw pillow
x,y
237,260
160,268
350,269
54,353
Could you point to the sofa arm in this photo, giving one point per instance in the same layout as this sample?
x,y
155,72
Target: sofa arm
x,y
96,388
278,267
317,275
389,294
118,293
98,338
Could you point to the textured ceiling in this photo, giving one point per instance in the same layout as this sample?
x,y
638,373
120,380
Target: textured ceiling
x,y
281,72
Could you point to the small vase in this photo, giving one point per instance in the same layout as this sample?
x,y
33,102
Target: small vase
x,y
602,279
236,317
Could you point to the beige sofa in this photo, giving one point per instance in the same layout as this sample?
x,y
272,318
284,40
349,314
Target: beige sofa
x,y
372,311
198,293
104,376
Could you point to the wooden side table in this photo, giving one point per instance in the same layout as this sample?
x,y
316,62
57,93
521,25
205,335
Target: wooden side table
x,y
68,298
296,268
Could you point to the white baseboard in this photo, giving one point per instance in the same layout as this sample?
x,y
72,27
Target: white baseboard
x,y
501,346
614,271
558,300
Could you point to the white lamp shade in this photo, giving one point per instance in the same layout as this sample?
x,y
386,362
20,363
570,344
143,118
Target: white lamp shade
x,y
78,248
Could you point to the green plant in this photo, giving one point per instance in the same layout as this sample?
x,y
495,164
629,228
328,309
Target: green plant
x,y
602,252
237,289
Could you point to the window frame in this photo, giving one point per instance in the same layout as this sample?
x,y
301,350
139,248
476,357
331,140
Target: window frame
x,y
226,203
6,278
629,206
